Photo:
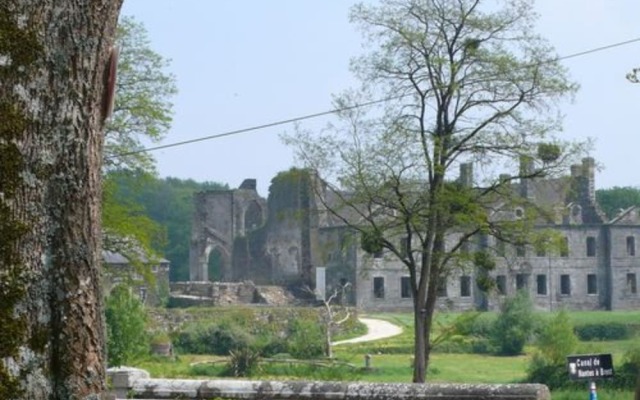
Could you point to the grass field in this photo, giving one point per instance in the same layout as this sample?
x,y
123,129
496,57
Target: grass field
x,y
391,359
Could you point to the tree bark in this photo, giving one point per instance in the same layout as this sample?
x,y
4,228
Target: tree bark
x,y
53,62
420,346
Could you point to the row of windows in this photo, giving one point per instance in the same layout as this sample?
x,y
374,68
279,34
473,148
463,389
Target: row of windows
x,y
591,248
405,287
540,251
522,282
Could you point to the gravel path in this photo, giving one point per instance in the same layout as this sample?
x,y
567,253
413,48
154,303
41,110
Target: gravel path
x,y
376,329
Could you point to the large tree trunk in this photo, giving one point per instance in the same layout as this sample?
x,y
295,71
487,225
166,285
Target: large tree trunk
x,y
53,58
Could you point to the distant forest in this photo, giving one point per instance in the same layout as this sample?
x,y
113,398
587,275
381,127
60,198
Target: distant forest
x,y
169,203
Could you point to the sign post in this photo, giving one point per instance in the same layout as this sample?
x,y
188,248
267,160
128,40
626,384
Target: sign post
x,y
591,367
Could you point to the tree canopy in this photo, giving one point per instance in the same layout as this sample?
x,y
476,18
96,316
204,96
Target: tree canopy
x,y
142,111
157,211
143,107
617,198
462,83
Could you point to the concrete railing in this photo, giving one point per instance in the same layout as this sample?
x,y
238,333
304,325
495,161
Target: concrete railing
x,y
136,384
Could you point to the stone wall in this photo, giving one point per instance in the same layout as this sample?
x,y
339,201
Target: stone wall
x,y
136,384
184,294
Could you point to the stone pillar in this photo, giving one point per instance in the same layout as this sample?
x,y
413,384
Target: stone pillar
x,y
122,379
197,261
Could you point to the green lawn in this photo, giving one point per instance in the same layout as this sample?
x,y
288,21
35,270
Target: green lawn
x,y
391,359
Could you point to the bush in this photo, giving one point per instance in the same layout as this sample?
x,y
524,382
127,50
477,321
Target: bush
x,y
604,331
305,339
554,375
270,346
297,332
483,346
555,341
213,339
629,372
514,325
474,324
126,327
242,362
453,347
540,370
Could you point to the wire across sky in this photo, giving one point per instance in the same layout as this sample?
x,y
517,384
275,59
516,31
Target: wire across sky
x,y
355,106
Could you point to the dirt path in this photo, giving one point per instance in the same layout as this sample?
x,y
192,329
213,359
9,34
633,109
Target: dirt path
x,y
376,329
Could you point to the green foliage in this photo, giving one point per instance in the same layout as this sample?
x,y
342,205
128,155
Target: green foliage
x,y
127,229
604,331
550,374
297,332
167,203
391,357
242,362
289,189
617,198
557,339
554,375
628,374
143,105
371,241
475,324
484,263
549,152
126,327
554,343
468,333
305,339
217,339
514,326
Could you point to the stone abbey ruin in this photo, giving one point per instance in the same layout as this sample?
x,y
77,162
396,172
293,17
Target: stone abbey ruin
x,y
287,240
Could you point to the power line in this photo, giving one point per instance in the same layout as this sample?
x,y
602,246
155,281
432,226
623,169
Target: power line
x,y
597,49
258,127
355,106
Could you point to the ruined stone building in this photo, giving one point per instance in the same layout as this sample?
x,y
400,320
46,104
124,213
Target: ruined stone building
x,y
288,240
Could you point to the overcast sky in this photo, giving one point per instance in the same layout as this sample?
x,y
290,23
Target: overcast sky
x,y
240,64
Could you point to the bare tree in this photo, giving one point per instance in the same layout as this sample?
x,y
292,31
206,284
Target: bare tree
x,y
55,75
464,82
335,314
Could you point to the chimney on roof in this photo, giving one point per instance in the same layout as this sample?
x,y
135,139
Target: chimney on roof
x,y
589,173
466,175
526,170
